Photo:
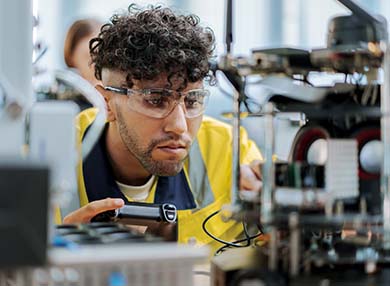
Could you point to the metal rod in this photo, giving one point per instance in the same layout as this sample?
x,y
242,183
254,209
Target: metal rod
x,y
273,249
385,135
236,149
229,25
295,256
235,79
268,186
268,166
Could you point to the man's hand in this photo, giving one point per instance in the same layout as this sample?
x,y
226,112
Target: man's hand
x,y
250,176
87,212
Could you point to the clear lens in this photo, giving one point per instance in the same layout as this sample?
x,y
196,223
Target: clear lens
x,y
158,103
196,102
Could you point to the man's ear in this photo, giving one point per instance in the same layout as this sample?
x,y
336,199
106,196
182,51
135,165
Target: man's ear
x,y
107,98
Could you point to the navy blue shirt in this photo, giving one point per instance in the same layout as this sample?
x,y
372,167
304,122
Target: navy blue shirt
x,y
100,181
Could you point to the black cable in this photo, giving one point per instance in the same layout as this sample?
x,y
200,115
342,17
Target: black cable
x,y
214,237
244,98
248,239
260,227
245,230
247,101
227,243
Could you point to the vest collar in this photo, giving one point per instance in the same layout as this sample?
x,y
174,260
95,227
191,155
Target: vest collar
x,y
100,182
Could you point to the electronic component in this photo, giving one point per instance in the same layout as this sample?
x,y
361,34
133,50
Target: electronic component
x,y
138,213
336,221
124,264
299,175
24,197
99,233
160,219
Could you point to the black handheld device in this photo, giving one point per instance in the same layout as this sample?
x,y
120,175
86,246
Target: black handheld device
x,y
137,213
160,219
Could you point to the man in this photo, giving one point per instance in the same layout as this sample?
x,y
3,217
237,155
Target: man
x,y
157,146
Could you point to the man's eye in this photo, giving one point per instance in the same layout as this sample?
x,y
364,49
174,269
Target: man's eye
x,y
156,100
194,101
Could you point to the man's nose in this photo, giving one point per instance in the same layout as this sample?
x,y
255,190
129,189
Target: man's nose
x,y
176,121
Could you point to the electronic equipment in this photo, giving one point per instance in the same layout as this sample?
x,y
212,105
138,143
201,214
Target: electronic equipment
x,y
160,219
115,264
326,210
24,201
100,233
137,212
108,254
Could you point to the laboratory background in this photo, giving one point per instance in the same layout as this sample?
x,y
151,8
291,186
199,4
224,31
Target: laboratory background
x,y
285,180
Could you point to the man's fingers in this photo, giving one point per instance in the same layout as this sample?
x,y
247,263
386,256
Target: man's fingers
x,y
86,213
249,179
256,168
97,207
252,185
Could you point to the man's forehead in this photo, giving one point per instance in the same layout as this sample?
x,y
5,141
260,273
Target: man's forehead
x,y
113,77
118,78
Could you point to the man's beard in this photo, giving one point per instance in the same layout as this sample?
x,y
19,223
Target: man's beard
x,y
144,156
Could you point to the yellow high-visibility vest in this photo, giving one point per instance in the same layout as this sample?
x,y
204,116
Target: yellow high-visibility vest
x,y
206,177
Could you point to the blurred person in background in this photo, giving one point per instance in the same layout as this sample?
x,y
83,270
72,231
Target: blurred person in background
x,y
76,47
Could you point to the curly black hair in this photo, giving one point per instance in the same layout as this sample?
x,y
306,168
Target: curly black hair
x,y
145,43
